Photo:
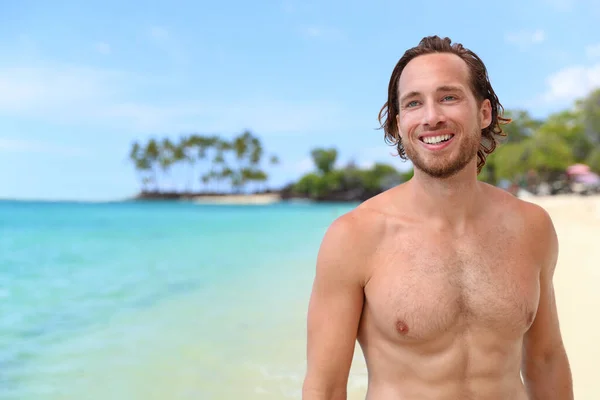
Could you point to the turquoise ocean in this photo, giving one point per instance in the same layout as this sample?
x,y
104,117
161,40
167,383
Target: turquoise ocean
x,y
153,300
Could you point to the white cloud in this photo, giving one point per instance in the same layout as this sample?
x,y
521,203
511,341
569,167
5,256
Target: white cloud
x,y
52,88
525,38
568,84
66,93
103,48
263,116
83,95
593,51
10,145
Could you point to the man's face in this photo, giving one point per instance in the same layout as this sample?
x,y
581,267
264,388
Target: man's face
x,y
440,120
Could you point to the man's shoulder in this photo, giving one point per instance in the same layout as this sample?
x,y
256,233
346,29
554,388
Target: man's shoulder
x,y
358,232
539,227
508,205
529,221
540,234
357,226
534,216
348,246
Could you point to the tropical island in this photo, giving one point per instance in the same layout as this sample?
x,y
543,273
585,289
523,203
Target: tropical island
x,y
214,168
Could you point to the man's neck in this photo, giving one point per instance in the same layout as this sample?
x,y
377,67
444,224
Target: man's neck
x,y
452,201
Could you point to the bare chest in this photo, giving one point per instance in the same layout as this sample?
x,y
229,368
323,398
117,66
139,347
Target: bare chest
x,y
430,289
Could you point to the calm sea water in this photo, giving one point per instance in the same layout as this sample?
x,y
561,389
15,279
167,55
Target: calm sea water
x,y
155,300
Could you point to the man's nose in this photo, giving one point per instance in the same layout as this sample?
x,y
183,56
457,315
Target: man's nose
x,y
433,115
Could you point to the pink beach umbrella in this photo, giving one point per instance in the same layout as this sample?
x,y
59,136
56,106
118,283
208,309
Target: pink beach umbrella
x,y
578,169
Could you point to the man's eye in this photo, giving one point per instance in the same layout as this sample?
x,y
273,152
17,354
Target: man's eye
x,y
449,97
411,104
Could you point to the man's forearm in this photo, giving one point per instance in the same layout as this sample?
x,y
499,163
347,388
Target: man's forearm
x,y
549,379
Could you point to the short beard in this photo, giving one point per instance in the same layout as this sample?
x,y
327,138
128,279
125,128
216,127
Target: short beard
x,y
445,168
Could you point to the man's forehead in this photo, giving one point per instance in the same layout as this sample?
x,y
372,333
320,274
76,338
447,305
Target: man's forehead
x,y
434,70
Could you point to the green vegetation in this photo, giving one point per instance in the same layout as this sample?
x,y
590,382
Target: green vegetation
x,y
549,146
232,164
224,166
348,183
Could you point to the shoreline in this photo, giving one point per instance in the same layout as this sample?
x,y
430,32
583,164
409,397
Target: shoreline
x,y
245,199
276,197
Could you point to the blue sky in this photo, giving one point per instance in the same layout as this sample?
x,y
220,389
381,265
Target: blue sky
x,y
79,83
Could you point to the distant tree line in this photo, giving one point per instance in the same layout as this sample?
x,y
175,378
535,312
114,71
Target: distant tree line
x,y
345,183
207,162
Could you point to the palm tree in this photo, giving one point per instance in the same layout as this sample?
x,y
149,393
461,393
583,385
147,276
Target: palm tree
x,y
135,153
141,163
165,159
256,151
187,147
151,155
164,154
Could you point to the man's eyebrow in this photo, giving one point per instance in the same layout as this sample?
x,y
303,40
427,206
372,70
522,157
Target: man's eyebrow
x,y
408,95
445,88
449,88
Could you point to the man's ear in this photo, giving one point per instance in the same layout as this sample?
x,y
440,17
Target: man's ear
x,y
485,113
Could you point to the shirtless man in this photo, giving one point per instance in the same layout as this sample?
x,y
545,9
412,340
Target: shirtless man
x,y
444,281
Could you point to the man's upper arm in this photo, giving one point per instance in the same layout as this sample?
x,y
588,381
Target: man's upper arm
x,y
335,309
544,336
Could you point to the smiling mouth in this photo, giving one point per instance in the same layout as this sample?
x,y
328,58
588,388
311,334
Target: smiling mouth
x,y
436,139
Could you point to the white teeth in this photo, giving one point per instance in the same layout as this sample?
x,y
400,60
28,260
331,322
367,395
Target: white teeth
x,y
436,139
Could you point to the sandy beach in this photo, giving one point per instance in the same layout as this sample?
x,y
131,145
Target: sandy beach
x,y
577,222
245,199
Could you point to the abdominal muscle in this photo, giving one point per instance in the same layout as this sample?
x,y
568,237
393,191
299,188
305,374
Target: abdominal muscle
x,y
463,363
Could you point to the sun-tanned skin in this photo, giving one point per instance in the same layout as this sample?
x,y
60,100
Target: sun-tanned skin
x,y
445,281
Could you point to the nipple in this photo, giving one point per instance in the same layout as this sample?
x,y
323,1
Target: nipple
x,y
401,327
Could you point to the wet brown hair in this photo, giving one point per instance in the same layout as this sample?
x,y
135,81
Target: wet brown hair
x,y
480,85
